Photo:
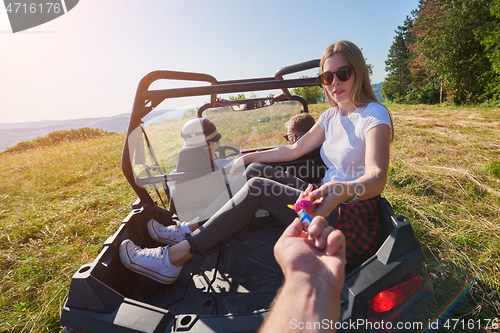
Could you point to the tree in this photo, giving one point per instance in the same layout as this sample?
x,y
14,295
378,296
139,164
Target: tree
x,y
236,98
449,47
491,32
491,41
311,95
397,65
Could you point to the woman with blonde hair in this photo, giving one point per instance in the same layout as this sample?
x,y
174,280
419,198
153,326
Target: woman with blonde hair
x,y
354,135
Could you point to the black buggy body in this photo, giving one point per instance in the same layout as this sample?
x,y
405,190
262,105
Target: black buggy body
x,y
229,288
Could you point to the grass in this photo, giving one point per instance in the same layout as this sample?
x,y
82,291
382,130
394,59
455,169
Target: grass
x,y
56,137
59,203
444,177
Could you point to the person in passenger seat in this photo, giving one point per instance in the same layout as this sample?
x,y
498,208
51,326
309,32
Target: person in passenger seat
x,y
201,140
197,160
297,126
309,169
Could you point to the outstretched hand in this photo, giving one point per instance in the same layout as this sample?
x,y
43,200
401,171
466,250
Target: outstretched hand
x,y
314,275
321,255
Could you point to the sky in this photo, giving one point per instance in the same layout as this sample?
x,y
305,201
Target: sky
x,y
89,61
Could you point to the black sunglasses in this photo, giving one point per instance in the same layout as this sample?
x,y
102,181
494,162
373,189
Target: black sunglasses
x,y
288,136
343,74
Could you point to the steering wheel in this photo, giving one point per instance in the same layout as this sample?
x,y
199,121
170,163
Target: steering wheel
x,y
220,153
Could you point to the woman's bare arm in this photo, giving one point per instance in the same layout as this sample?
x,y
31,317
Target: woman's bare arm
x,y
310,141
372,182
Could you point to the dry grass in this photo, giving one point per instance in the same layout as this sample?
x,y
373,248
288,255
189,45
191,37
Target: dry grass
x,y
58,205
445,178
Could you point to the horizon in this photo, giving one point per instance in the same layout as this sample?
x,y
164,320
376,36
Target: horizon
x,y
95,117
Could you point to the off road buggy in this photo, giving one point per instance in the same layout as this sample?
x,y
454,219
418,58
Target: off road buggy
x,y
229,288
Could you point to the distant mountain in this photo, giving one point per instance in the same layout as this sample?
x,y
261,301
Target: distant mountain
x,y
12,133
377,87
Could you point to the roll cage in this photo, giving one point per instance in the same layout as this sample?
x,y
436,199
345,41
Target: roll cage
x,y
147,99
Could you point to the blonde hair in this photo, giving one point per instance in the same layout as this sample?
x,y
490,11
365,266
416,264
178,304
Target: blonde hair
x,y
362,92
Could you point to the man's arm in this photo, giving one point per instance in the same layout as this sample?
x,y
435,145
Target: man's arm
x,y
309,299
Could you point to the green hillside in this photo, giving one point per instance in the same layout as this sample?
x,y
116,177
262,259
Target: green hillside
x,y
58,205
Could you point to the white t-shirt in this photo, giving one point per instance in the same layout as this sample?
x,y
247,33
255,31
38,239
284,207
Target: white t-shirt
x,y
343,150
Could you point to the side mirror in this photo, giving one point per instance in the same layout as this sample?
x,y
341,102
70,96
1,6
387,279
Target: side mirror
x,y
251,104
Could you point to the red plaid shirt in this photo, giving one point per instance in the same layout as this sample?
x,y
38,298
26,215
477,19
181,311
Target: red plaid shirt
x,y
362,228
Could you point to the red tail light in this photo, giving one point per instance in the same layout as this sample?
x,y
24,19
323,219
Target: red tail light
x,y
391,298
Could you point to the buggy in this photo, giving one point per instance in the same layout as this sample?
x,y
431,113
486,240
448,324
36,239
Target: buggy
x,y
230,287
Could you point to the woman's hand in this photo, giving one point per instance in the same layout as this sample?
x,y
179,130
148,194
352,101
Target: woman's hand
x,y
306,194
306,200
328,196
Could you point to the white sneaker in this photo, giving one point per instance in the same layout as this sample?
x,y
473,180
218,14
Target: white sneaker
x,y
152,263
170,235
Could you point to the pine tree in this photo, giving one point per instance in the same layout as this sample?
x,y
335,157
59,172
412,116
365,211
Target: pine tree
x,y
397,65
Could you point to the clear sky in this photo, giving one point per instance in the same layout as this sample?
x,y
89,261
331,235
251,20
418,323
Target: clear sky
x,y
88,62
